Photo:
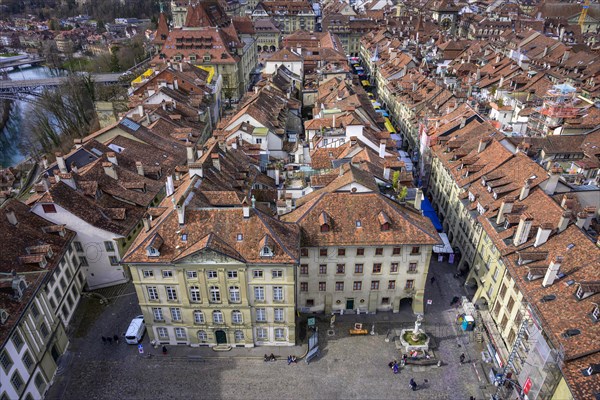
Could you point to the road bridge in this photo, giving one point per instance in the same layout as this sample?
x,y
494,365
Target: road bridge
x,y
17,61
24,89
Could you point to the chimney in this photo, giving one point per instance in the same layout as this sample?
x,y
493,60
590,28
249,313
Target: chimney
x,y
386,171
199,152
522,233
552,182
482,145
147,223
255,89
253,202
78,143
109,169
175,84
169,187
566,55
525,189
112,157
277,173
216,162
565,203
581,216
246,208
140,110
195,169
505,208
181,212
45,161
11,217
299,49
497,58
60,162
139,167
463,122
191,157
382,144
478,74
552,271
418,199
564,220
68,179
543,234
74,168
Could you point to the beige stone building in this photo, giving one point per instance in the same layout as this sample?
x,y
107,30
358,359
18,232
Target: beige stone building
x,y
213,270
360,252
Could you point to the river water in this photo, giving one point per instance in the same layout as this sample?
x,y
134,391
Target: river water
x,y
11,135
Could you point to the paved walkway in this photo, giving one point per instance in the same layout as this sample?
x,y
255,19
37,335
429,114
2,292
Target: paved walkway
x,y
349,367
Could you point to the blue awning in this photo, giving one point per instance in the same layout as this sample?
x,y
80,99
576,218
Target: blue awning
x,y
430,213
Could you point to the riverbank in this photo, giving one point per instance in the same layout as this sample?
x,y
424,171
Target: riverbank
x,y
5,109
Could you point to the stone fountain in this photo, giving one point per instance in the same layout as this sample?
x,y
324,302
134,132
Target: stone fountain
x,y
415,339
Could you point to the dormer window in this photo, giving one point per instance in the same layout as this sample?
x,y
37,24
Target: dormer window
x,y
596,313
266,249
587,289
324,222
153,248
384,221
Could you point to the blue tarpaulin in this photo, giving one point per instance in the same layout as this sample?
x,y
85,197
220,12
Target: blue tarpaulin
x,y
430,213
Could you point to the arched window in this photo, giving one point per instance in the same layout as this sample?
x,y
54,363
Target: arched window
x,y
217,317
239,336
198,317
236,317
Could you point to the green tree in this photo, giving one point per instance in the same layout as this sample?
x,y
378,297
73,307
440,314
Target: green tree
x,y
100,27
114,60
401,191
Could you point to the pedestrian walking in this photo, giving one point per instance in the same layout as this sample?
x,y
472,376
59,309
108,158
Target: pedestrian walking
x,y
109,340
164,350
432,279
462,358
413,384
103,340
116,339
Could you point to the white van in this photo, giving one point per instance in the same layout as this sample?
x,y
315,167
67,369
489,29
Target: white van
x,y
136,330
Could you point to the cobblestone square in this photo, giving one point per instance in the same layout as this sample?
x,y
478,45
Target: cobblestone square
x,y
349,366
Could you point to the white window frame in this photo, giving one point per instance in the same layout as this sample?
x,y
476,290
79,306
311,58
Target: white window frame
x,y
261,315
277,293
258,274
199,317
259,293
195,294
237,317
239,336
167,273
215,294
158,314
218,317
279,314
234,294
212,274
279,333
191,274
232,274
202,336
152,293
171,293
262,334
277,273
180,333
159,332
176,314
148,273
